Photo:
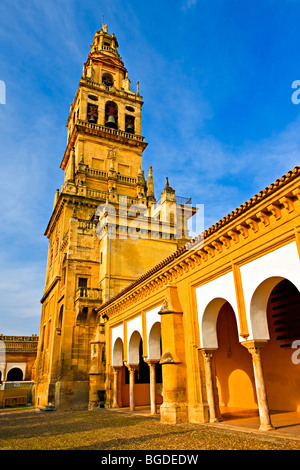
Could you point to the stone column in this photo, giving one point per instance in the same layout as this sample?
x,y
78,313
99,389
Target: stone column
x,y
152,386
132,368
115,390
263,407
207,355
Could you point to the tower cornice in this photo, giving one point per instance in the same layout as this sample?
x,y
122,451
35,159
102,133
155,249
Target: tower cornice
x,y
114,135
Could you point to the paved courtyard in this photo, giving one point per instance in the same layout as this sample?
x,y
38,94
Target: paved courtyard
x,y
103,429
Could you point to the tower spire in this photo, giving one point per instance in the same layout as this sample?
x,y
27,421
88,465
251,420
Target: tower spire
x,y
151,196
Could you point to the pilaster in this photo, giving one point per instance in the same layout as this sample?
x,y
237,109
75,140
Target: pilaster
x,y
174,408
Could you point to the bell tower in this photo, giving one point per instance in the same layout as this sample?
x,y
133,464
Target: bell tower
x,y
104,123
106,228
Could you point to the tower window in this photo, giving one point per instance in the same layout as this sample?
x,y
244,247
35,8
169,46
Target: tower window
x,y
107,79
111,115
92,113
82,282
129,124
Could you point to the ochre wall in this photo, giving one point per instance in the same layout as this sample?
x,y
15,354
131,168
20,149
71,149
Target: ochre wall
x,y
281,375
233,365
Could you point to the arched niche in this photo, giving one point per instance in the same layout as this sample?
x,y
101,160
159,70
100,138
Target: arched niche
x,y
111,115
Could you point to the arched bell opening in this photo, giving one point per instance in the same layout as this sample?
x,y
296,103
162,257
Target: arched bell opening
x,y
92,113
107,80
129,124
111,115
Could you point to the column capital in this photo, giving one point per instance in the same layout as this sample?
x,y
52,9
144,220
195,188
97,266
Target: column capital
x,y
207,353
254,346
132,367
151,362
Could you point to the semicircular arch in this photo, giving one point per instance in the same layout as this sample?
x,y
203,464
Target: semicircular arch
x,y
118,353
258,307
133,347
209,339
154,342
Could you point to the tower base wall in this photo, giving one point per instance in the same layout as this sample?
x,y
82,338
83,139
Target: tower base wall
x,y
71,395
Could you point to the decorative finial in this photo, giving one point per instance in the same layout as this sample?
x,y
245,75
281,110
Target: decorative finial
x,y
104,26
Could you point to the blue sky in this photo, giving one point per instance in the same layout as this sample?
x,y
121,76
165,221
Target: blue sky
x,y
216,79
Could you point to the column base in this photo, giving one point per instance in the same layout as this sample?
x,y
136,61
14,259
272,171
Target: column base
x,y
198,413
173,414
266,427
214,420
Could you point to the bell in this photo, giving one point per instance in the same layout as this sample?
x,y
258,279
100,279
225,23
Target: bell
x,y
111,122
92,118
129,128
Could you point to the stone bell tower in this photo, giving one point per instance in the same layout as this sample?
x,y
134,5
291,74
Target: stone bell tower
x,y
106,228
